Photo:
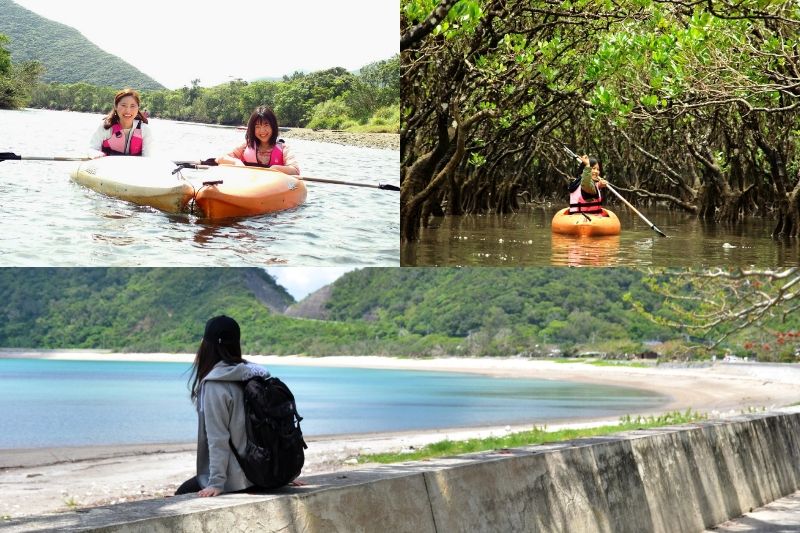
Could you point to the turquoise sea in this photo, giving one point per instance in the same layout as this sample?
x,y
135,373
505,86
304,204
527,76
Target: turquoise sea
x,y
47,403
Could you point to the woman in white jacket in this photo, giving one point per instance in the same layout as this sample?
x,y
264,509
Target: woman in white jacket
x,y
217,392
124,131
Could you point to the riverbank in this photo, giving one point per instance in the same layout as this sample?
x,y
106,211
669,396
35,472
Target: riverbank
x,y
51,480
384,141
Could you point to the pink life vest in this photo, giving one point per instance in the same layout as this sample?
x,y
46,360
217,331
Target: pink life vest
x,y
115,145
578,204
275,157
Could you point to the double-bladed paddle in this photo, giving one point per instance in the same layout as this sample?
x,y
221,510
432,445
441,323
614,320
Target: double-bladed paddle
x,y
618,195
211,162
9,156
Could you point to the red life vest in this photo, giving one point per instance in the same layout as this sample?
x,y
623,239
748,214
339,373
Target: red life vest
x,y
579,204
275,157
115,145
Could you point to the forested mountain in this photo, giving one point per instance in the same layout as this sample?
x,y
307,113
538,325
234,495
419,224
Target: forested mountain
x,y
384,311
128,308
540,302
67,56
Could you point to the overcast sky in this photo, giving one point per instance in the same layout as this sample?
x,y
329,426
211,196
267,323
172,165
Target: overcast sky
x,y
301,281
176,41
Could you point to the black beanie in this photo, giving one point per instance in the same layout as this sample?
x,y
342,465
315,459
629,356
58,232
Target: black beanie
x,y
221,330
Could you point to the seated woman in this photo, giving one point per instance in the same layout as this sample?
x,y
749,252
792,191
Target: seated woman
x,y
262,146
124,130
584,191
218,394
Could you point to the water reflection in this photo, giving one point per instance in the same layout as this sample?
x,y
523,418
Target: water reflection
x,y
525,239
578,250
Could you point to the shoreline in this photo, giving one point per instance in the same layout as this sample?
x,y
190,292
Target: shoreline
x,y
47,480
381,141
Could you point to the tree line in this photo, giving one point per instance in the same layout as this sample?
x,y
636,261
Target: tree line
x,y
689,104
327,99
16,81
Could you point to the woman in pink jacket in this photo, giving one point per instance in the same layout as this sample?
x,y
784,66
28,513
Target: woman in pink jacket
x,y
262,147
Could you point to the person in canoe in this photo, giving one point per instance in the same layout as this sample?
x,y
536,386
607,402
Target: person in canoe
x,y
584,190
262,146
124,130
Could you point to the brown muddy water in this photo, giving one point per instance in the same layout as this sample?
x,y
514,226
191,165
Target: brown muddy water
x,y
524,239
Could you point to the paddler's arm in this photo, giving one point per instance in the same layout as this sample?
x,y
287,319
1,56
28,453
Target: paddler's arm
x,y
96,142
233,157
148,146
587,184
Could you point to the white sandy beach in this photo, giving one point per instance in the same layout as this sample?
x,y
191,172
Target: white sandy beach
x,y
50,480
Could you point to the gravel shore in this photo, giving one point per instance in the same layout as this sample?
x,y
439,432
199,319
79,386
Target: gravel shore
x,y
384,141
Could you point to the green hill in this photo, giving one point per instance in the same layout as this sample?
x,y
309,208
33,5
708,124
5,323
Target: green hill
x,y
553,303
67,56
383,311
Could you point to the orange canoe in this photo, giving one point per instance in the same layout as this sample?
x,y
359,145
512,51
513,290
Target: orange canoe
x,y
233,191
584,224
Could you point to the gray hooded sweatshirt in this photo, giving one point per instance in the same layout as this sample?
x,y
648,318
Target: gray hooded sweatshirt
x,y
220,410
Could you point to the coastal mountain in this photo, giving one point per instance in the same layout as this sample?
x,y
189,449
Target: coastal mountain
x,y
128,308
67,56
390,311
371,310
314,306
455,302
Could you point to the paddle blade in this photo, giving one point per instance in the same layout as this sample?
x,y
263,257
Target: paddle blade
x,y
658,231
9,156
388,187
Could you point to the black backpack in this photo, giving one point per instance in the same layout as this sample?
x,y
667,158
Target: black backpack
x,y
274,454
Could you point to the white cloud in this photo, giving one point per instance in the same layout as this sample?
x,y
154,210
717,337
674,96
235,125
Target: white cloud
x,y
301,281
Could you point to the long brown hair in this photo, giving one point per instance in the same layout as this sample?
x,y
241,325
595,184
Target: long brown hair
x,y
261,114
208,355
112,117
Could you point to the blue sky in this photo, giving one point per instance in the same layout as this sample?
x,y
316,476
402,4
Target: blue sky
x,y
301,281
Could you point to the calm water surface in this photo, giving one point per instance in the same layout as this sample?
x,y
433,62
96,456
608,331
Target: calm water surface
x,y
49,220
525,239
47,403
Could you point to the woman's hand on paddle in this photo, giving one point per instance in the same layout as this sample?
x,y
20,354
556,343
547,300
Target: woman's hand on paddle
x,y
209,491
229,160
585,159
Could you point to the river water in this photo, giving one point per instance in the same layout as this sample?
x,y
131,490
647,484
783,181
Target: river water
x,y
49,220
525,239
49,403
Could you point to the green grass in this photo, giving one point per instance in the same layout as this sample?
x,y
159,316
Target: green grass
x,y
71,502
534,436
612,362
373,128
602,362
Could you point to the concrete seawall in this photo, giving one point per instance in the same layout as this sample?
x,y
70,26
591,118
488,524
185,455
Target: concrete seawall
x,y
671,479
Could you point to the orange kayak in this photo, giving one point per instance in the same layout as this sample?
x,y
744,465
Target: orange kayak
x,y
565,223
233,191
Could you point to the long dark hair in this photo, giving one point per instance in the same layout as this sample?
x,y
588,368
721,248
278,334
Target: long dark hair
x,y
261,114
112,117
208,355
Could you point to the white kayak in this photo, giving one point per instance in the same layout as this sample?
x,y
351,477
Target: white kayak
x,y
141,180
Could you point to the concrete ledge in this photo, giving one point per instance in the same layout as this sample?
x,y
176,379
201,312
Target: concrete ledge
x,y
671,479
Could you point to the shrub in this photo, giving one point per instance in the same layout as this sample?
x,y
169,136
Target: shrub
x,y
331,115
